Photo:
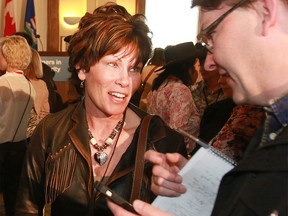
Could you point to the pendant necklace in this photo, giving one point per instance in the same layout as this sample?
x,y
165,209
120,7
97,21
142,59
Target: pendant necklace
x,y
100,156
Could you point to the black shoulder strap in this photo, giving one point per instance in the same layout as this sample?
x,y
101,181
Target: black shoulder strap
x,y
24,109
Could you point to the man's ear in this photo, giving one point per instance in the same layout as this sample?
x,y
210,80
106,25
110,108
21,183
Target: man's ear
x,y
269,12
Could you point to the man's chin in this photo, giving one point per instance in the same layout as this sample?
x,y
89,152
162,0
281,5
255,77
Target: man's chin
x,y
239,99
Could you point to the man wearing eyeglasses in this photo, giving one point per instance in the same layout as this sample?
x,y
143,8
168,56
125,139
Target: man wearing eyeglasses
x,y
248,42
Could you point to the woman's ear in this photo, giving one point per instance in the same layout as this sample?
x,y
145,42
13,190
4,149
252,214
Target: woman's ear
x,y
269,12
82,74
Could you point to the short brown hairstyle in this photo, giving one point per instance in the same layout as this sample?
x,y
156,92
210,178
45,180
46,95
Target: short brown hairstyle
x,y
100,34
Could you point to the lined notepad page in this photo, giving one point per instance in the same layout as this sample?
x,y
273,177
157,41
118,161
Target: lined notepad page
x,y
202,176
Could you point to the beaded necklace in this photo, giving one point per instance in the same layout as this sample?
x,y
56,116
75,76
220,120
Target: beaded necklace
x,y
100,156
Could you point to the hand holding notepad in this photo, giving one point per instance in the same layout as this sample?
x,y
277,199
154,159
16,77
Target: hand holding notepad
x,y
202,176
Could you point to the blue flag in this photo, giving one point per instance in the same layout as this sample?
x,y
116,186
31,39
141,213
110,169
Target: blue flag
x,y
30,22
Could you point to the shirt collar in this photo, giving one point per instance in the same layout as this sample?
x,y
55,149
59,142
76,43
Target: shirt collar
x,y
279,107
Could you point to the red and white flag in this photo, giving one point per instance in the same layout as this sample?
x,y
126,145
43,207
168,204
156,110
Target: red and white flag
x,y
9,26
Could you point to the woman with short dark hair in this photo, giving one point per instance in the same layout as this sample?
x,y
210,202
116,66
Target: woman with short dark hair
x,y
95,140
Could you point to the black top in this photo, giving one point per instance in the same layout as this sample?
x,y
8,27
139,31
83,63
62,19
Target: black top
x,y
214,118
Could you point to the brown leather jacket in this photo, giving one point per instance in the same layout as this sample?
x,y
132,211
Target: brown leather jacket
x,y
58,167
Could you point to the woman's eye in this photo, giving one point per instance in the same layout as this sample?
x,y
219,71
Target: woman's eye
x,y
112,64
135,69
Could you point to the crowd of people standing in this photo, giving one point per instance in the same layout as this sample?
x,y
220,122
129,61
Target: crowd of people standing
x,y
238,106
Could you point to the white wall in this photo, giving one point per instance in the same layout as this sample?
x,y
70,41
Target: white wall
x,y
171,21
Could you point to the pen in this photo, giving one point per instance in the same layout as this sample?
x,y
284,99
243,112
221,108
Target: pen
x,y
196,139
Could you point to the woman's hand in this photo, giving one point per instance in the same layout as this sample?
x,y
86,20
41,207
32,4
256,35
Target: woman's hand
x,y
141,207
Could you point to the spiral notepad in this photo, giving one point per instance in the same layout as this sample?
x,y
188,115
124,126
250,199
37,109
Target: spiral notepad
x,y
202,176
205,145
222,156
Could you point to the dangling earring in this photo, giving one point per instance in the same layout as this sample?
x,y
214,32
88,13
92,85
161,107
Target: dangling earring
x,y
82,84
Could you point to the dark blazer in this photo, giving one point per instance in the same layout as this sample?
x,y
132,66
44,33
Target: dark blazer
x,y
259,184
58,166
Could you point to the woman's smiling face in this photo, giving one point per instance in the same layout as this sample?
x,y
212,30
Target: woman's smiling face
x,y
111,82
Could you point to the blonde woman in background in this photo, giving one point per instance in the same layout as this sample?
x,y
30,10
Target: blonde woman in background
x,y
41,104
17,97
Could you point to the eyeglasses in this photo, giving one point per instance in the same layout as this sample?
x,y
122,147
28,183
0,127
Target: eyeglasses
x,y
204,37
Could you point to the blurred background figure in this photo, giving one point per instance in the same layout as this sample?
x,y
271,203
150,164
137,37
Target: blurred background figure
x,y
239,129
207,91
170,97
17,97
41,107
149,73
214,117
55,100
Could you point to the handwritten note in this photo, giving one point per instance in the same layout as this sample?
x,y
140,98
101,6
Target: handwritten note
x,y
202,176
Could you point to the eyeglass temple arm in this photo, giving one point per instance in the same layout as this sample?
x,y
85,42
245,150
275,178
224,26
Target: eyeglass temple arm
x,y
216,22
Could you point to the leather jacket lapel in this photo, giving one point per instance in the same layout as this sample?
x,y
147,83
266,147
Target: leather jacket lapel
x,y
79,138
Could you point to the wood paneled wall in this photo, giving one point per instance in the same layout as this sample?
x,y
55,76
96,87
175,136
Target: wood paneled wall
x,y
53,26
53,22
